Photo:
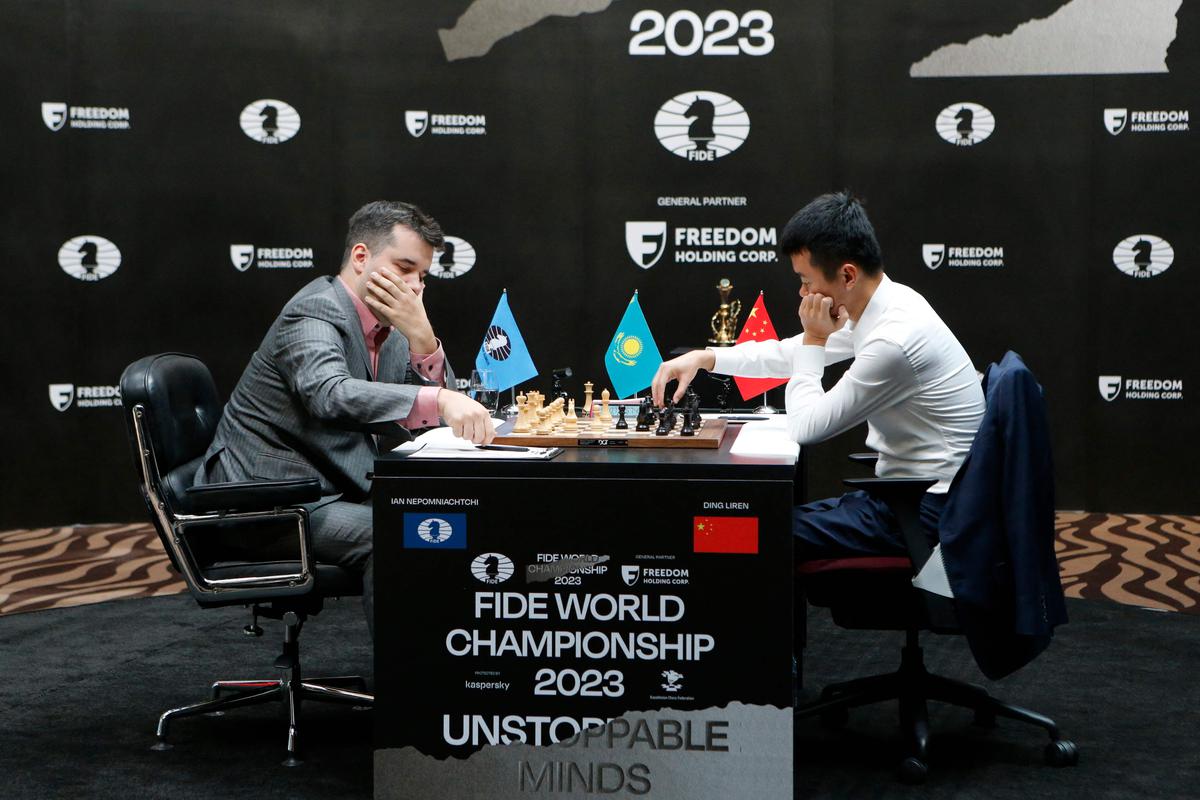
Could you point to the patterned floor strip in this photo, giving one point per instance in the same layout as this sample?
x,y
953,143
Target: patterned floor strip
x,y
71,566
1136,559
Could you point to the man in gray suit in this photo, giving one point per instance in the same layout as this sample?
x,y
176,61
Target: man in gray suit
x,y
351,356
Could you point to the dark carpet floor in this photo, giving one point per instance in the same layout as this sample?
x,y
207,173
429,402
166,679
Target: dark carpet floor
x,y
82,687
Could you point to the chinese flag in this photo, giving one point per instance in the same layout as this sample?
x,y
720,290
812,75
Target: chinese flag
x,y
758,328
725,534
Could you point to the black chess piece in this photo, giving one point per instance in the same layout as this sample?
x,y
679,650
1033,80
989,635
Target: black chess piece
x,y
621,425
645,415
666,419
687,429
694,412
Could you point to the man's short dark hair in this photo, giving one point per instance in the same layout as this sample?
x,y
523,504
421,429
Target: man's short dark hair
x,y
372,225
834,229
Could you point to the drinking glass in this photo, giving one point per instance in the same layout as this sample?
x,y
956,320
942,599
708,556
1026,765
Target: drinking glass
x,y
482,389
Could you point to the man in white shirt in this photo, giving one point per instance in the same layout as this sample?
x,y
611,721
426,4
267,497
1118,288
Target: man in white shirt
x,y
911,381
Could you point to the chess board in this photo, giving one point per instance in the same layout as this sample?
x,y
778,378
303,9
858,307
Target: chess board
x,y
707,436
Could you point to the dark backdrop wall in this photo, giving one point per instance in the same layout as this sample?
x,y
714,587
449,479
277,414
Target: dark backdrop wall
x,y
174,172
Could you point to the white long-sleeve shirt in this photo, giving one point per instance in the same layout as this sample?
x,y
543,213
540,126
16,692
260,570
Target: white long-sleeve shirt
x,y
911,381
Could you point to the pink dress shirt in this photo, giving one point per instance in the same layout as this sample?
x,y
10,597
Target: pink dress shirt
x,y
424,413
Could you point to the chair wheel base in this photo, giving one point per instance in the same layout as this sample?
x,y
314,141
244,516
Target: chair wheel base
x,y
913,770
162,746
1061,753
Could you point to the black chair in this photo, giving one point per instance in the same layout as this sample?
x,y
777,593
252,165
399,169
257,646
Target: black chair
x,y
877,593
234,543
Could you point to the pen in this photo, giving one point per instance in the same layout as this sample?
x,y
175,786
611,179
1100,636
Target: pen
x,y
509,447
742,419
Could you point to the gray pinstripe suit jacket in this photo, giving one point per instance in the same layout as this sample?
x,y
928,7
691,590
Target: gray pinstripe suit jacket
x,y
306,405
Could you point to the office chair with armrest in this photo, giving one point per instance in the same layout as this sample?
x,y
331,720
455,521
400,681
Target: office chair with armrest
x,y
877,593
245,543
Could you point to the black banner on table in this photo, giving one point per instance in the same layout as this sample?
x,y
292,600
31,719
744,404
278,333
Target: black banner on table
x,y
582,636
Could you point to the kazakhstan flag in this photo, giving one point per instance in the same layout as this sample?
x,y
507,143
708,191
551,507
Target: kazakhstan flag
x,y
503,351
632,357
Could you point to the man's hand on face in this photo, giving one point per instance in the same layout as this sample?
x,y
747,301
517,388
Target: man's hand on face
x,y
468,419
682,369
401,306
817,317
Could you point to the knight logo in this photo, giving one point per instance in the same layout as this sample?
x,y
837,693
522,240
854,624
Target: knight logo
x,y
58,115
497,344
242,256
962,256
701,125
437,124
1115,119
1143,256
965,124
441,532
1114,386
61,395
934,255
417,122
1147,120
245,256
55,117
672,680
646,242
89,258
270,121
456,259
492,568
630,574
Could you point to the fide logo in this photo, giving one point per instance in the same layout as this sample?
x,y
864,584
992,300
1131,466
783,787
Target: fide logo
x,y
496,343
456,259
492,568
646,242
1143,256
965,124
630,574
270,121
434,530
89,258
702,126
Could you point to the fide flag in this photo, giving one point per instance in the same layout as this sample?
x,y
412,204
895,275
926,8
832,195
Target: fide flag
x,y
758,328
632,357
503,351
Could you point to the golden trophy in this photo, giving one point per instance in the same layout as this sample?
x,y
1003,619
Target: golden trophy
x,y
724,323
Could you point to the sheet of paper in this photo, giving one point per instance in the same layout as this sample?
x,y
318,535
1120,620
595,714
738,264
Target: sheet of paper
x,y
767,438
442,443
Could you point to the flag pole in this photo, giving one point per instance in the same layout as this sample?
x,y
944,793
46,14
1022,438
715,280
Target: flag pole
x,y
765,407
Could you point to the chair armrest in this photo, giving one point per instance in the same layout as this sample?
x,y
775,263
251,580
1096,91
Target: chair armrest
x,y
253,495
864,458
